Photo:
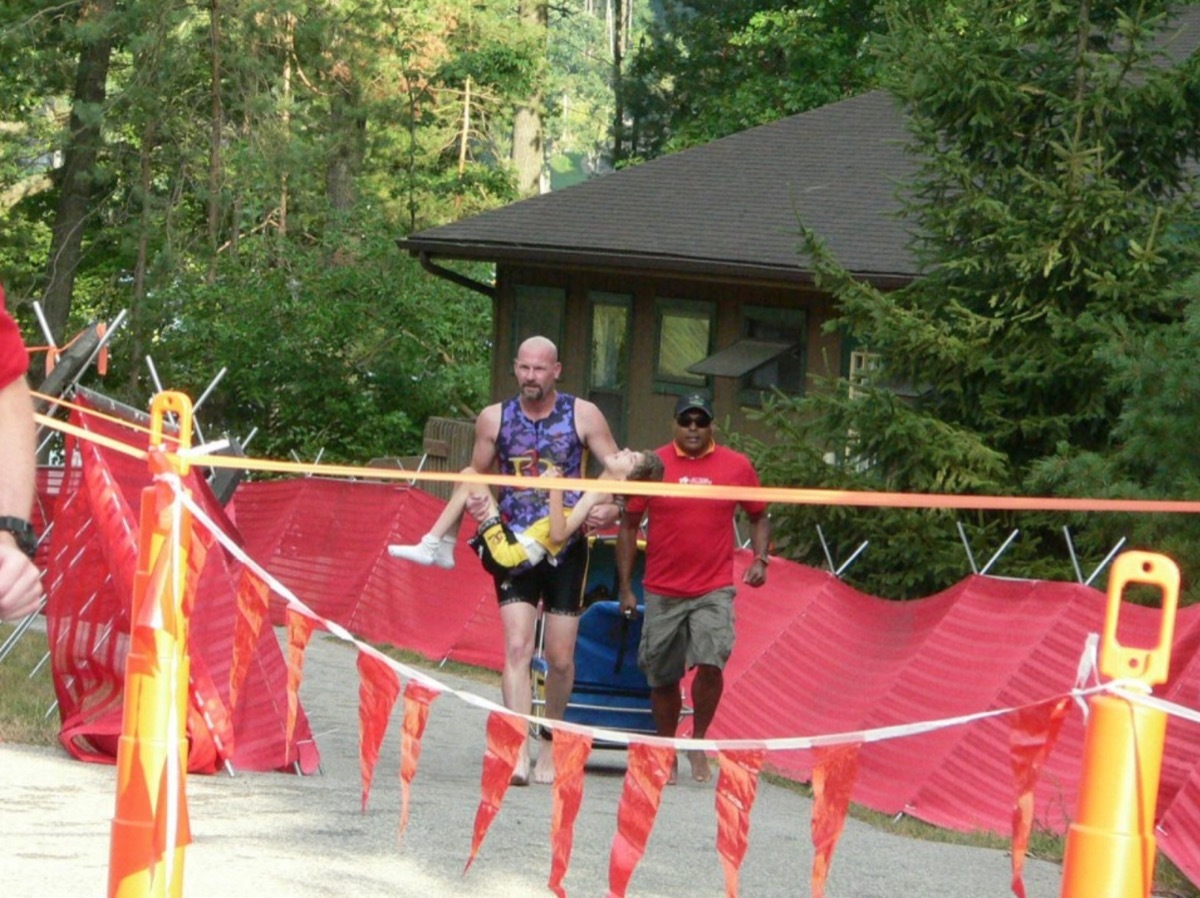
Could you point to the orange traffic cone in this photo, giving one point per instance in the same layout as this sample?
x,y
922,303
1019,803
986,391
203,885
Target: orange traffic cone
x,y
150,827
1111,846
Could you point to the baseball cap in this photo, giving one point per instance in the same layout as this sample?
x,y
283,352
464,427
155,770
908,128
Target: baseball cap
x,y
693,401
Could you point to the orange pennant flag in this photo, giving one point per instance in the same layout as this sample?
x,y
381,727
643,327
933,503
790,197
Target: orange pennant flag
x,y
737,787
571,752
417,699
378,689
1034,732
252,604
833,778
299,631
199,544
506,734
649,769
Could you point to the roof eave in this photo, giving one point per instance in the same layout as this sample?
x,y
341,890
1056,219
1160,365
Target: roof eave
x,y
599,260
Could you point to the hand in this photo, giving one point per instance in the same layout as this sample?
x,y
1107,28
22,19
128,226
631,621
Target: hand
x,y
600,517
756,574
20,584
629,605
552,471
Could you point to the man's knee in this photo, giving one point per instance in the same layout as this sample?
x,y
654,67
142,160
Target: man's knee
x,y
560,656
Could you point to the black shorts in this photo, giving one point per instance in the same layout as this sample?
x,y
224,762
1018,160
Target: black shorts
x,y
559,585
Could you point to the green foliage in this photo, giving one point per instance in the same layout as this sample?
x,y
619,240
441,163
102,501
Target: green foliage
x,y
1154,453
249,223
344,352
1054,211
713,67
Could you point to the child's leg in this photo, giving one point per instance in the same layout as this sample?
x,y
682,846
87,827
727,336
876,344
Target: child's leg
x,y
437,546
447,522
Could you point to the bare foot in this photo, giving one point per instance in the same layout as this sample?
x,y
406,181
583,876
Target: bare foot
x,y
701,772
543,771
520,774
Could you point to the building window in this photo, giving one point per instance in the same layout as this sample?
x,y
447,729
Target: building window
x,y
683,338
538,312
608,368
863,366
785,371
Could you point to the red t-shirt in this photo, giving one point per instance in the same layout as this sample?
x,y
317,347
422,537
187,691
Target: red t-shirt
x,y
14,358
689,548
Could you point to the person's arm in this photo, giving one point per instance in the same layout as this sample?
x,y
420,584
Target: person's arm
x,y
487,431
562,526
483,457
760,545
593,430
20,585
626,552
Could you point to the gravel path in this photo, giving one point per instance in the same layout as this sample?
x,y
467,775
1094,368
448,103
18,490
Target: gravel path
x,y
267,835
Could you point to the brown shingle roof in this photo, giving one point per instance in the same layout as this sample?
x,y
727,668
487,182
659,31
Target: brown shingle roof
x,y
731,207
836,167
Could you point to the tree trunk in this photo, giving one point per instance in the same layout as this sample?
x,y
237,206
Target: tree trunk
x,y
78,172
349,127
619,27
289,48
216,129
139,315
527,152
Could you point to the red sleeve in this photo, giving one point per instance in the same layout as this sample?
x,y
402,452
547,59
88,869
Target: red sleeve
x,y
14,359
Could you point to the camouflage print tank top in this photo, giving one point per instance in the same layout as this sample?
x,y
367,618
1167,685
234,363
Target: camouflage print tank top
x,y
525,448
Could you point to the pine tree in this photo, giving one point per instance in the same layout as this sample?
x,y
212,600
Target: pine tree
x,y
1053,209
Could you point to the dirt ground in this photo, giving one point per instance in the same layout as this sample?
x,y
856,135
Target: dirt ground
x,y
271,834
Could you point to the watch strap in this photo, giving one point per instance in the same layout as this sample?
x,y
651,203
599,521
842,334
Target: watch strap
x,y
22,531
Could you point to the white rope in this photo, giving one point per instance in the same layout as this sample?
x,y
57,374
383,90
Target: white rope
x,y
1131,689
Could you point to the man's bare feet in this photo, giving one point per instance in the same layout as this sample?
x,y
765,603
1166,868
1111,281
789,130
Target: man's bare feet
x,y
673,776
543,771
701,772
520,774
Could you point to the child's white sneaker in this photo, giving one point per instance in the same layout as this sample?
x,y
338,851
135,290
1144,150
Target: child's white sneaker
x,y
430,550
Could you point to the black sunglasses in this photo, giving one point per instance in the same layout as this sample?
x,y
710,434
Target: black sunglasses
x,y
700,420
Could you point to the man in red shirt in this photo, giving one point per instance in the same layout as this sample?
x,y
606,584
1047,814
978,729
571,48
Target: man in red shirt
x,y
20,586
688,582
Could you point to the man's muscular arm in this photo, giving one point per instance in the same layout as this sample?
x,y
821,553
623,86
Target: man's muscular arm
x,y
593,430
483,457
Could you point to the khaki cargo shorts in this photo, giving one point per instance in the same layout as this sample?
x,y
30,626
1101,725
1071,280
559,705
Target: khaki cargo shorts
x,y
678,634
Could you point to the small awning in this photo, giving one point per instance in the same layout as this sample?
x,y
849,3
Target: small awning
x,y
741,358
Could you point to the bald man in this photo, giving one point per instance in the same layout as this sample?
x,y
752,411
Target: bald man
x,y
523,436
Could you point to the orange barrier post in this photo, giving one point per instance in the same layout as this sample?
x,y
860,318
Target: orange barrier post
x,y
150,827
1111,846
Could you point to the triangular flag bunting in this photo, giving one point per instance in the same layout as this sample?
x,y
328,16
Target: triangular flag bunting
x,y
378,688
649,769
737,786
252,604
1034,732
299,631
833,778
571,752
417,699
506,735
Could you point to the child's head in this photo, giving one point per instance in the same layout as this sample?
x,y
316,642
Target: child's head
x,y
648,466
628,464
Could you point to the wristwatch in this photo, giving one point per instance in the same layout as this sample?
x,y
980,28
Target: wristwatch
x,y
22,532
764,558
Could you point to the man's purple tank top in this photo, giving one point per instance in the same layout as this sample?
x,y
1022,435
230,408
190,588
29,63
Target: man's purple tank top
x,y
525,448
